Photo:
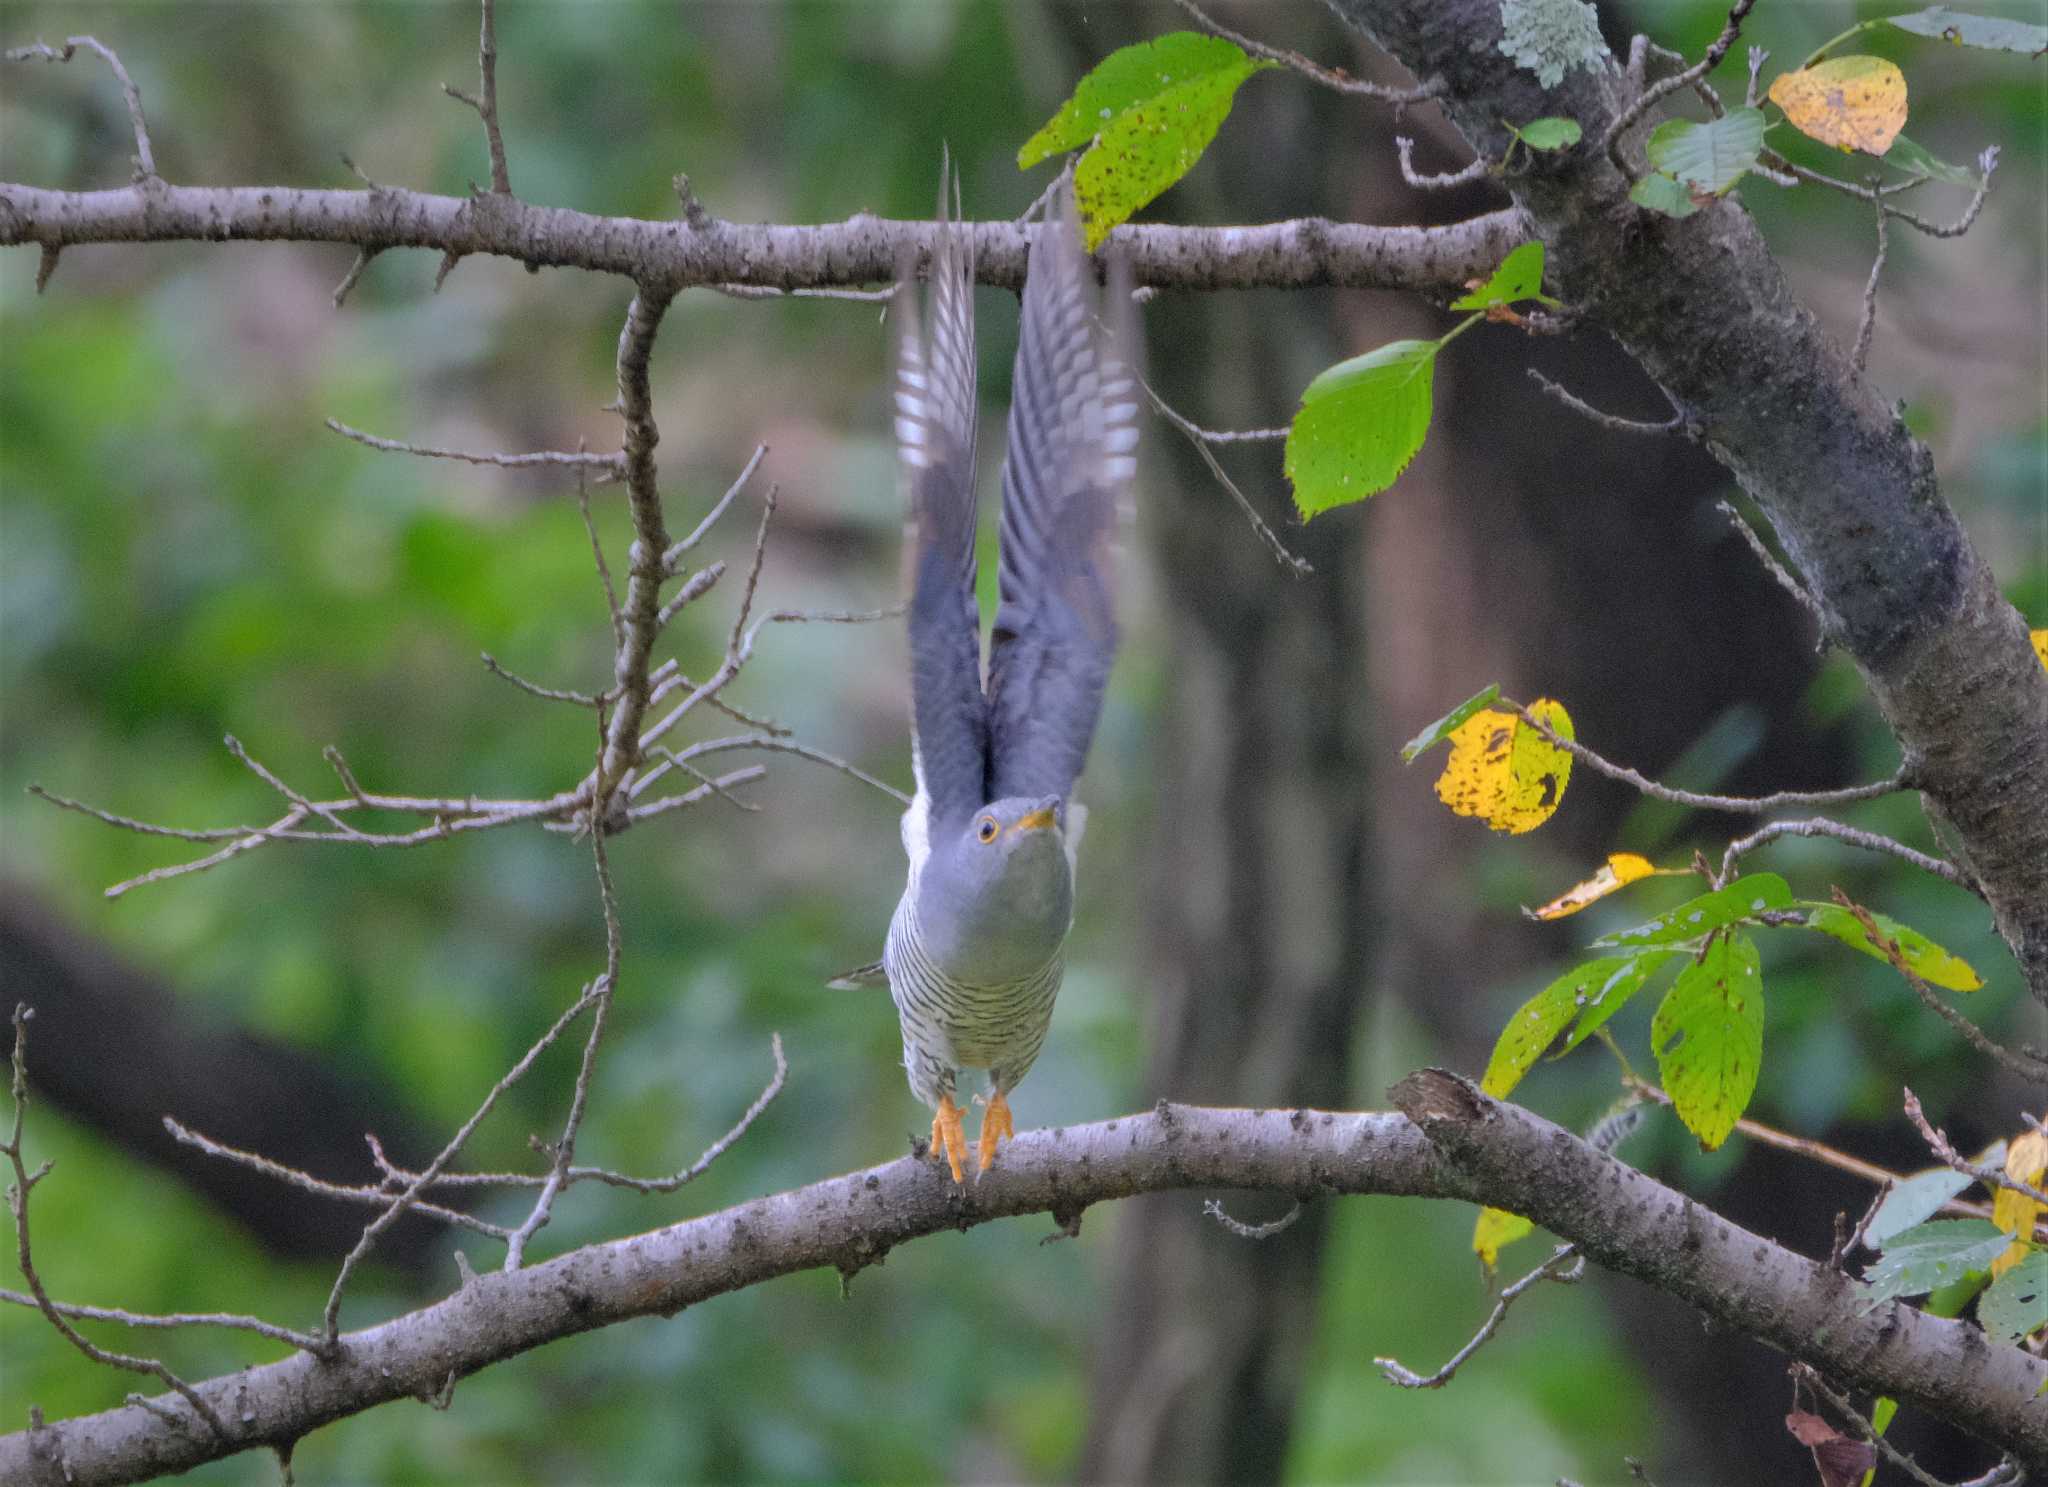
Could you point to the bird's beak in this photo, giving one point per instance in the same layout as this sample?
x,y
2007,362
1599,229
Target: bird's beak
x,y
1038,820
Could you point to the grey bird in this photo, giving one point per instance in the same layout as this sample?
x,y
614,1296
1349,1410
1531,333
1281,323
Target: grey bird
x,y
974,953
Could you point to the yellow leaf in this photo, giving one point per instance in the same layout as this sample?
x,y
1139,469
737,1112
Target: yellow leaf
x,y
1495,1231
1620,870
1852,103
1505,772
2026,1160
2041,645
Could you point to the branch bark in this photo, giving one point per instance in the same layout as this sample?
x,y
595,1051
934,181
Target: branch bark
x,y
675,255
1451,1142
1704,307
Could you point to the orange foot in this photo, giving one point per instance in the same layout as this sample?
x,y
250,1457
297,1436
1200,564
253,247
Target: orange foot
x,y
949,1138
995,1124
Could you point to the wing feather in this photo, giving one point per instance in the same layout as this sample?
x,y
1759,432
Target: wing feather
x,y
935,436
1071,455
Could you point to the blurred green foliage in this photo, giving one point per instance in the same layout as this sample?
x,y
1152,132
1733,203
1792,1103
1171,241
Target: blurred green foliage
x,y
185,552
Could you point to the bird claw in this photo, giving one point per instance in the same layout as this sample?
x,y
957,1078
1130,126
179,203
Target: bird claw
x,y
995,1125
949,1136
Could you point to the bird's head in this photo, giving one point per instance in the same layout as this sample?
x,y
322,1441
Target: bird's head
x,y
997,895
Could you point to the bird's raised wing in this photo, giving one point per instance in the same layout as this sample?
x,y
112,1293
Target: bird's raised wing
x,y
935,418
1071,455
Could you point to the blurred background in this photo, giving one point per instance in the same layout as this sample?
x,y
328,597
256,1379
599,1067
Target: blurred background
x,y
1272,909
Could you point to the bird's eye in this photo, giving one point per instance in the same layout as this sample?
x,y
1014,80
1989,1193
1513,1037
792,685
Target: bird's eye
x,y
985,829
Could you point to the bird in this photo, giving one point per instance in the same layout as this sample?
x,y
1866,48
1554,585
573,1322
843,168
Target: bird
x,y
974,953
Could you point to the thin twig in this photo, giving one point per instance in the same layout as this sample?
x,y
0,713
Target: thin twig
x,y
1901,779
1870,841
1200,439
604,571
672,559
409,1199
1564,1266
1675,424
354,274
1656,93
1945,1153
1846,1408
766,743
1771,564
548,694
1987,162
486,105
564,1150
1867,322
17,1202
769,291
1214,1209
712,1152
293,1176
305,1340
145,159
1329,77
719,786
2026,1064
326,813
613,465
698,586
1404,149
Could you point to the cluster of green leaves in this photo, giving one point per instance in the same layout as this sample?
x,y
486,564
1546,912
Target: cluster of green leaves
x,y
1855,103
1707,1033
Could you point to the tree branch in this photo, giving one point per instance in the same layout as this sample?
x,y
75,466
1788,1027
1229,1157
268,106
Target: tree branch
x,y
1301,253
1466,1146
1849,490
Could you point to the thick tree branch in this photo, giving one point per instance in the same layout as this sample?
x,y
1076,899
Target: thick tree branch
x,y
1704,307
1465,1146
674,255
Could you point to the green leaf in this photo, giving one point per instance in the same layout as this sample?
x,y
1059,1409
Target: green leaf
x,y
1594,990
1882,1409
1708,1036
1127,77
1624,976
1448,724
1550,134
1916,1200
1151,109
1922,956
1909,157
1711,155
1934,1255
1944,24
2017,1302
1360,424
1660,193
1520,276
1754,894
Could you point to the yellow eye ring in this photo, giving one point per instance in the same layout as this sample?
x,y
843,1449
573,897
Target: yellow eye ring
x,y
985,829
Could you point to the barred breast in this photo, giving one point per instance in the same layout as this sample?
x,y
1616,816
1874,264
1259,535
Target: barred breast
x,y
949,1024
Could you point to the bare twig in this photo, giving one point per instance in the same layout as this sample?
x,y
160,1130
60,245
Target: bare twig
x,y
257,1325
354,274
698,586
328,814
712,1152
604,571
145,159
719,786
1870,841
534,689
270,1167
1404,150
1201,440
486,105
1675,424
1846,1408
1945,1153
672,559
769,291
1330,77
563,1152
409,1199
17,1202
611,466
767,743
1867,323
2026,1064
1656,93
1987,162
1214,1209
1565,1266
1772,566
1901,779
